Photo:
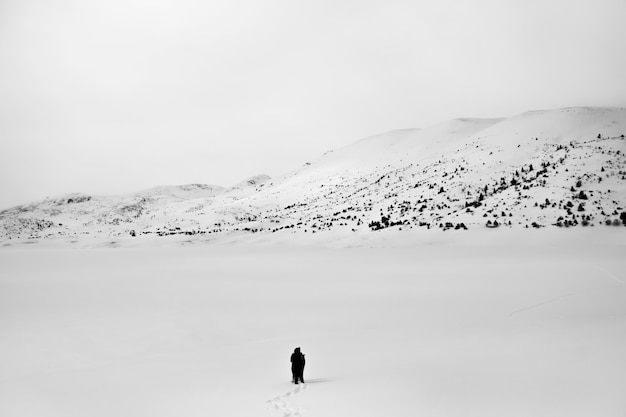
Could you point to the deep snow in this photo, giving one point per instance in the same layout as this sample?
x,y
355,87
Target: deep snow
x,y
510,323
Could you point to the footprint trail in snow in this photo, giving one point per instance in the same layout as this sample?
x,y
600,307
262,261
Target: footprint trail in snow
x,y
280,403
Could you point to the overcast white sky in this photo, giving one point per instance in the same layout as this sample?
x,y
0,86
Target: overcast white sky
x,y
115,96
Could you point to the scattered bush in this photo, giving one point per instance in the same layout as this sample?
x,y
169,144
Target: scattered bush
x,y
492,225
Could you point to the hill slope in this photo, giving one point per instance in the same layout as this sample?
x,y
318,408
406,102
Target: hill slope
x,y
560,168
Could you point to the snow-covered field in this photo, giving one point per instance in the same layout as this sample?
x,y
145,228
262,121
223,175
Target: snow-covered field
x,y
483,323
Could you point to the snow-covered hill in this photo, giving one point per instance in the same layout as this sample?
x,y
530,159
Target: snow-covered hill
x,y
556,168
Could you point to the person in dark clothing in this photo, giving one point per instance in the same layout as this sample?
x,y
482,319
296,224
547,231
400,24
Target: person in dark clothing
x,y
297,365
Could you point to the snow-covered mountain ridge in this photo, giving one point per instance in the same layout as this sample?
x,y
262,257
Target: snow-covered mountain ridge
x,y
556,168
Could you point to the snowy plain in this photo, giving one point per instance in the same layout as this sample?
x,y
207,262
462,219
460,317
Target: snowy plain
x,y
478,323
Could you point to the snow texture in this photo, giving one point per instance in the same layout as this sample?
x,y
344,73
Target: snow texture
x,y
518,323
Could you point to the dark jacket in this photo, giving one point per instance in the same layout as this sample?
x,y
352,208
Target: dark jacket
x,y
297,359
